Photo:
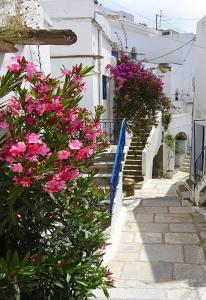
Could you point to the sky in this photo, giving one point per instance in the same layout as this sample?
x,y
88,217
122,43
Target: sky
x,y
174,11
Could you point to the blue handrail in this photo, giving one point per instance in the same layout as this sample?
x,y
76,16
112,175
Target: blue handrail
x,y
117,164
200,167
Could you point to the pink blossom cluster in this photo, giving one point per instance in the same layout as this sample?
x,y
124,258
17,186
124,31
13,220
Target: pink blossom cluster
x,y
47,137
132,72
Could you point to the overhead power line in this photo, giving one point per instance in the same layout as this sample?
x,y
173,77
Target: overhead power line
x,y
188,53
181,19
131,11
168,53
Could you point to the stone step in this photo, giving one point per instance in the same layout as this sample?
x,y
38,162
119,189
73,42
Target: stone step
x,y
133,172
102,180
185,169
137,141
103,167
133,167
134,162
134,157
139,185
137,178
185,164
133,152
139,147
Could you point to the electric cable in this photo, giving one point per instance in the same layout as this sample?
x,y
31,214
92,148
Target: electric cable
x,y
166,54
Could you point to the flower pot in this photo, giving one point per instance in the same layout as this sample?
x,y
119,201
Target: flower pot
x,y
169,174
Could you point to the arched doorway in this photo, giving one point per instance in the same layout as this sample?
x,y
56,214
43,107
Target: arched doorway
x,y
180,148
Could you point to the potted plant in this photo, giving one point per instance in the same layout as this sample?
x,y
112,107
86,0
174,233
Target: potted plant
x,y
169,140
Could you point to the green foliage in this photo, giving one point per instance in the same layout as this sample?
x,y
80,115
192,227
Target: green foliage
x,y
166,119
139,94
51,243
169,140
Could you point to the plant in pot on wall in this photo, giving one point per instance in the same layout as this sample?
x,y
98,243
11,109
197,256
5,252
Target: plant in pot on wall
x,y
169,140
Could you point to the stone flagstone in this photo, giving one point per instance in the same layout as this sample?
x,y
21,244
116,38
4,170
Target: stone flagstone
x,y
160,254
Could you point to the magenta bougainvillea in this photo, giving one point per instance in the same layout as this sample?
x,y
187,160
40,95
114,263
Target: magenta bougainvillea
x,y
138,93
46,139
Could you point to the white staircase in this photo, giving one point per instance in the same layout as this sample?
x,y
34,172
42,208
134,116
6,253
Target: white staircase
x,y
185,167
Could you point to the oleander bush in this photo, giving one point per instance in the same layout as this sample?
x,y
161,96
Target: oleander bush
x,y
51,221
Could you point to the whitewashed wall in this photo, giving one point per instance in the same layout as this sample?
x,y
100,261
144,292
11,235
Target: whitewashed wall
x,y
200,71
93,35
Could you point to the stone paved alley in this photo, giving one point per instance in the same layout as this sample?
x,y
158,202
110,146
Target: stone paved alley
x,y
161,252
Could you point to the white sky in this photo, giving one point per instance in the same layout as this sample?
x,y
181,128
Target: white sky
x,y
188,9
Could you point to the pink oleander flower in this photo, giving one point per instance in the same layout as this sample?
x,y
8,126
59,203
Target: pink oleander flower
x,y
33,258
42,88
84,153
23,181
41,108
54,186
15,68
29,121
42,77
4,125
17,168
30,108
77,78
63,154
66,72
68,174
33,138
75,144
30,69
14,106
43,150
16,57
18,148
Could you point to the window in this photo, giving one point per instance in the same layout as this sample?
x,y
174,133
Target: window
x,y
104,86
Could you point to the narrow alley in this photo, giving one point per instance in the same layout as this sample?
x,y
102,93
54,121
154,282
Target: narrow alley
x,y
161,251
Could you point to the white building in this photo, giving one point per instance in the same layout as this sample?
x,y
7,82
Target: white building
x,y
93,47
159,49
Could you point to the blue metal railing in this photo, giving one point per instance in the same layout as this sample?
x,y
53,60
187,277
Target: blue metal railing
x,y
200,166
117,164
112,129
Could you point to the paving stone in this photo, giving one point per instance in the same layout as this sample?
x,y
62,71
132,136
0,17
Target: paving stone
x,y
189,271
181,210
129,248
150,209
116,268
198,218
173,218
132,294
155,271
162,252
194,254
183,227
148,237
201,226
140,218
124,257
187,203
161,202
181,238
127,237
182,294
203,235
147,227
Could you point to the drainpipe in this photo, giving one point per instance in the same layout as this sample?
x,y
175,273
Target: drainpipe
x,y
99,66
